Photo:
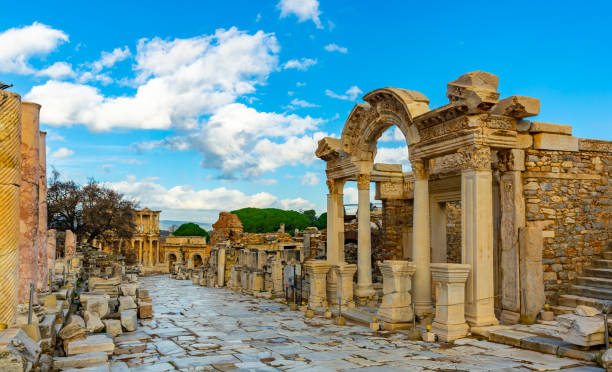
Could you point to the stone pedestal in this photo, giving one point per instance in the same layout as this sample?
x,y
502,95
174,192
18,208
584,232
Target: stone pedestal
x,y
344,273
277,277
236,276
29,199
396,306
449,323
258,282
318,274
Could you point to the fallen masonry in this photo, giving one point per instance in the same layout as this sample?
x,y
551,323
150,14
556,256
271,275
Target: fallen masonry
x,y
94,300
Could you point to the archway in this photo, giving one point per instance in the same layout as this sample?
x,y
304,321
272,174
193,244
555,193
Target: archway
x,y
171,260
197,260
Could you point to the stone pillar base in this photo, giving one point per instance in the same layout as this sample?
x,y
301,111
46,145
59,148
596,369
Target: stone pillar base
x,y
365,290
396,306
318,281
449,332
509,317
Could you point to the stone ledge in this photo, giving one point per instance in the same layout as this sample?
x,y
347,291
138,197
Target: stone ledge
x,y
567,176
549,141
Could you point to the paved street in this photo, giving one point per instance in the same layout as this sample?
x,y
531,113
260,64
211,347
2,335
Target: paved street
x,y
205,329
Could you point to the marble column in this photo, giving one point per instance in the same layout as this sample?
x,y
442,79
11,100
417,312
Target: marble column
x,y
396,306
364,247
221,267
29,199
344,273
51,252
43,264
10,179
421,252
477,236
332,240
449,323
317,270
339,218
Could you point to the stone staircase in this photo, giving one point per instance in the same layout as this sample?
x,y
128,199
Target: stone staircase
x,y
594,287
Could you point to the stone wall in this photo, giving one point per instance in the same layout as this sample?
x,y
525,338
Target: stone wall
x,y
572,190
396,216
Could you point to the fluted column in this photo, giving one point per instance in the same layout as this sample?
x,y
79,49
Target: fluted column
x,y
340,219
43,263
421,252
364,245
477,235
28,199
10,152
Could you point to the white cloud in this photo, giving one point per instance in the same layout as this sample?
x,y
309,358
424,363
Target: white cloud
x,y
297,204
392,134
267,181
184,197
109,59
18,45
304,9
310,179
179,81
62,153
350,95
58,70
301,64
336,48
53,136
393,155
301,103
300,84
241,140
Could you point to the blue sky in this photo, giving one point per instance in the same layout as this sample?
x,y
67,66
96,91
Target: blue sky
x,y
204,106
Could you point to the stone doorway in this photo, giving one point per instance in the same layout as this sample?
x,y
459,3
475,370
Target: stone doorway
x,y
197,260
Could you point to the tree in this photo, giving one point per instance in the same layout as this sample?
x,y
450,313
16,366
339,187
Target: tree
x,y
256,220
191,229
312,215
91,211
321,222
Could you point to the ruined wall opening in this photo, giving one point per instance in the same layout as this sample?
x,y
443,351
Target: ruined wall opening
x,y
197,260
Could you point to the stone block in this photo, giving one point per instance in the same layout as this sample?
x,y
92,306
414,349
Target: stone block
x,y
93,343
126,303
145,310
112,326
581,330
50,301
99,305
18,351
47,326
517,106
606,360
72,331
93,322
129,320
129,289
584,310
541,127
549,141
80,360
508,337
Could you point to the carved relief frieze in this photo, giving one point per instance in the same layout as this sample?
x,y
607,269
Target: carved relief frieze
x,y
475,157
443,128
447,163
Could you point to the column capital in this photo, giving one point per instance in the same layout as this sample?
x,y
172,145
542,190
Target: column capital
x,y
475,157
450,272
363,181
335,186
419,169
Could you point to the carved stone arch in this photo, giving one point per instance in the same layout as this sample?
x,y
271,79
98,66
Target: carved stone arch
x,y
384,108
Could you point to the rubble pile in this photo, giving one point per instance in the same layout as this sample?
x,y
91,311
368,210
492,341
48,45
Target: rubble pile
x,y
93,301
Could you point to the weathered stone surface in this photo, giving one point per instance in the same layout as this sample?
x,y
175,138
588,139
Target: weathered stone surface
x,y
584,310
94,324
517,106
92,343
129,289
531,274
145,310
72,330
99,305
70,244
477,90
112,326
17,351
581,330
549,141
606,360
396,302
541,127
126,303
80,360
129,321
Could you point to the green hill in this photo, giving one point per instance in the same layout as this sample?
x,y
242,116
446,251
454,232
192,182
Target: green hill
x,y
191,229
256,220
